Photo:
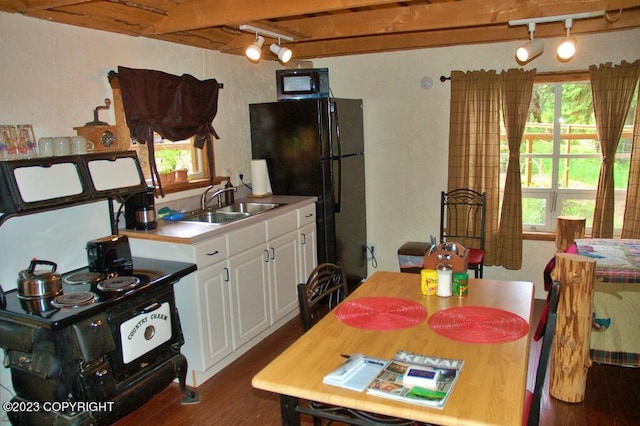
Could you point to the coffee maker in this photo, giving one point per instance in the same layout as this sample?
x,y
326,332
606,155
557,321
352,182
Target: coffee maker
x,y
140,211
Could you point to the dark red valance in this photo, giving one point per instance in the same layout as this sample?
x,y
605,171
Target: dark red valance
x,y
175,107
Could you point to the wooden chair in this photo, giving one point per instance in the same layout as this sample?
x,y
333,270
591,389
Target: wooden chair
x,y
324,290
462,220
531,415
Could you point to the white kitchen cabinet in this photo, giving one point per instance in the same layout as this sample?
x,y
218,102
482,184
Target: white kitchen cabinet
x,y
248,283
212,295
307,241
284,265
244,288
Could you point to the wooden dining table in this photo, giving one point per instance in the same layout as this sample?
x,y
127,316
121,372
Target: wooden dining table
x,y
491,386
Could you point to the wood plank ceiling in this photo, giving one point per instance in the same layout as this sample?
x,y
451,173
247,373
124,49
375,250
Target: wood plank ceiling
x,y
330,27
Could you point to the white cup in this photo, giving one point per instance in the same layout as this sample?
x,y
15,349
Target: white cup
x,y
45,147
80,145
61,145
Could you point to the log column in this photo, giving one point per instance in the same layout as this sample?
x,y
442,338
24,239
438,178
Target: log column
x,y
570,358
569,228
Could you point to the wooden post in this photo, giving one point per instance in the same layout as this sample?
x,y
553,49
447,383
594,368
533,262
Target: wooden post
x,y
568,229
570,358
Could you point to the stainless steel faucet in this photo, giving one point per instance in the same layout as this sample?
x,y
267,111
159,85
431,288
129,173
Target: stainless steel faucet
x,y
203,199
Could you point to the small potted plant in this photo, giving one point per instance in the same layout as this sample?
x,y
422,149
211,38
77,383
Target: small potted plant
x,y
181,172
166,161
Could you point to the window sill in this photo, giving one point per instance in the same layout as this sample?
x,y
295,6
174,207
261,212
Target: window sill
x,y
539,236
185,186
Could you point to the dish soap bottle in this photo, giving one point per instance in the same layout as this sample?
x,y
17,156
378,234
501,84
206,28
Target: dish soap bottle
x,y
228,195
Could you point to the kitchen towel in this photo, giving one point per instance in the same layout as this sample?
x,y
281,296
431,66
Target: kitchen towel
x,y
261,185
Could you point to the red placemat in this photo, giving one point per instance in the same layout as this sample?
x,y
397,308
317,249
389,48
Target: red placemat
x,y
478,324
381,313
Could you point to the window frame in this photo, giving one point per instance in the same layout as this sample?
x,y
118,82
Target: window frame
x,y
201,178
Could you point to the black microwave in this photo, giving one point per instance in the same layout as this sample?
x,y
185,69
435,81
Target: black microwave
x,y
307,83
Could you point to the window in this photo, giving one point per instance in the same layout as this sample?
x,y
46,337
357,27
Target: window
x,y
560,156
179,164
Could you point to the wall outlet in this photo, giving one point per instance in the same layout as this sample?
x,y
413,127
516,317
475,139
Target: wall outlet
x,y
240,177
372,251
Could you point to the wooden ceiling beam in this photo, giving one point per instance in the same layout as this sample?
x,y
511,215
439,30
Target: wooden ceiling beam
x,y
211,13
448,15
444,38
26,6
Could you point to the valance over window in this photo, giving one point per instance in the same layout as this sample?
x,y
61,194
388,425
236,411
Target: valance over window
x,y
175,107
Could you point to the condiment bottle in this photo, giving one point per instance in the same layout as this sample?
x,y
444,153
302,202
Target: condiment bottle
x,y
445,273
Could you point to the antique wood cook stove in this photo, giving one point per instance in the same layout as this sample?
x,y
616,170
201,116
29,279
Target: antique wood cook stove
x,y
104,346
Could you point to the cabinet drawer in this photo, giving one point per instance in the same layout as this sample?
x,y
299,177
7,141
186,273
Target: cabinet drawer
x,y
211,251
280,225
306,215
245,238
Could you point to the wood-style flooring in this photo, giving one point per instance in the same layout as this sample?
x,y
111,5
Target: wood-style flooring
x,y
612,396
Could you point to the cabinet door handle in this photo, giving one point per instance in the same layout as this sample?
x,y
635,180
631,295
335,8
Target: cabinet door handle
x,y
273,253
304,239
213,253
266,256
228,276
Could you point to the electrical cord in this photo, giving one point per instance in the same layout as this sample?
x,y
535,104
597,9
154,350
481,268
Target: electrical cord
x,y
241,176
372,257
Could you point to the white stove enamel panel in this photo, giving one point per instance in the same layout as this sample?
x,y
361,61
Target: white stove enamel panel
x,y
144,332
38,183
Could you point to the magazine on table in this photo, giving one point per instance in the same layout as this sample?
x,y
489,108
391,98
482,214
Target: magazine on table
x,y
417,379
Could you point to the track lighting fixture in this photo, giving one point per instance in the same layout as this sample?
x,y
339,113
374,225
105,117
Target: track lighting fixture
x,y
567,47
530,50
254,53
284,54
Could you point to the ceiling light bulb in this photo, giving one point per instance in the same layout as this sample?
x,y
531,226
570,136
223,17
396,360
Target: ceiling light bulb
x,y
567,48
254,51
529,51
284,54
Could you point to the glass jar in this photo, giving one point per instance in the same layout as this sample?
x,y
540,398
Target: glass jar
x,y
445,274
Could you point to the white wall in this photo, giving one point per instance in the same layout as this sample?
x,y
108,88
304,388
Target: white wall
x,y
407,132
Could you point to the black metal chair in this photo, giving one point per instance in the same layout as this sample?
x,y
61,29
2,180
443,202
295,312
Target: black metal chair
x,y
324,290
462,220
531,416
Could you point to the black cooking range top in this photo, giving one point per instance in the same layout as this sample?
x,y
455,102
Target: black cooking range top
x,y
85,293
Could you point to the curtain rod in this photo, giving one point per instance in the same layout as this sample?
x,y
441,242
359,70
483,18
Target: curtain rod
x,y
112,74
443,78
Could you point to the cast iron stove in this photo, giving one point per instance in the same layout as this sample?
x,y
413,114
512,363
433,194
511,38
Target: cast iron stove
x,y
113,338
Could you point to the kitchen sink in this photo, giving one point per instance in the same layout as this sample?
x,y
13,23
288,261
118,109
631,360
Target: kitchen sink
x,y
215,217
248,207
230,213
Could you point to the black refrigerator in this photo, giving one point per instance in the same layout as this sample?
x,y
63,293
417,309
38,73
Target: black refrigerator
x,y
316,147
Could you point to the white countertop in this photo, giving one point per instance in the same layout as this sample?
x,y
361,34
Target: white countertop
x,y
194,232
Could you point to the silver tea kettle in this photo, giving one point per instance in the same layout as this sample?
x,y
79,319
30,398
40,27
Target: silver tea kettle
x,y
32,283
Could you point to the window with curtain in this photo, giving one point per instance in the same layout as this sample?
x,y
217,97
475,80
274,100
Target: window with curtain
x,y
560,156
175,156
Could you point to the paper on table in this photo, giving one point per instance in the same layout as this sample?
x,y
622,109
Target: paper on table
x,y
356,373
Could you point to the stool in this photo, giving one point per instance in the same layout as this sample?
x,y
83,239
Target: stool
x,y
411,256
